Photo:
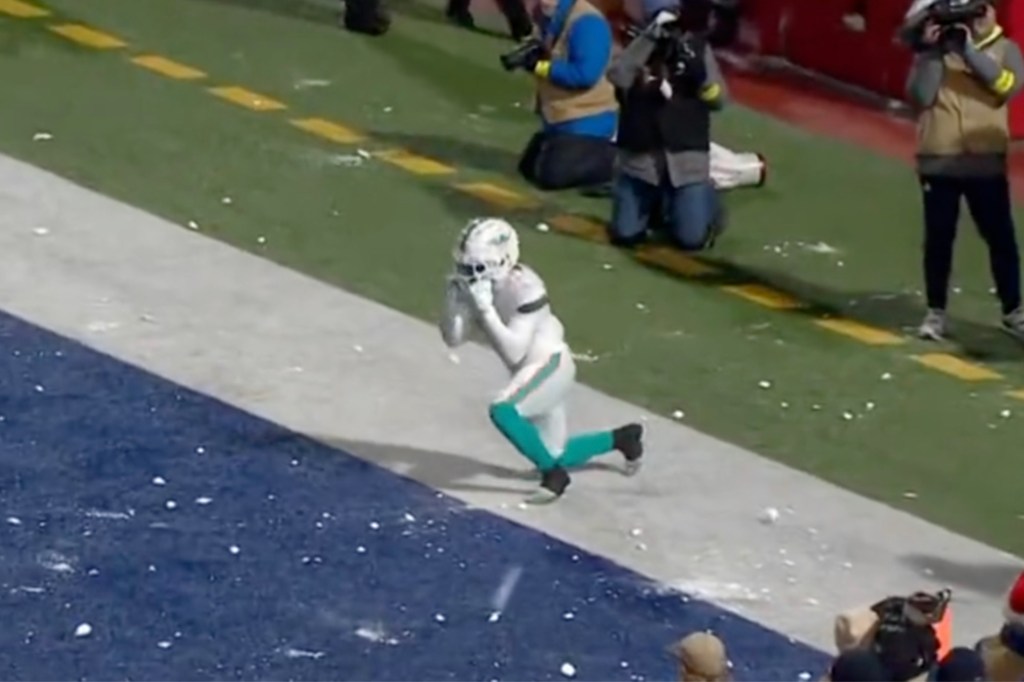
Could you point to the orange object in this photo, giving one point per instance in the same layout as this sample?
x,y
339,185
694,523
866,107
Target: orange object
x,y
944,632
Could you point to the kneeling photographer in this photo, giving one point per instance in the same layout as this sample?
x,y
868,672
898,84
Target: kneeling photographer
x,y
965,72
568,57
668,84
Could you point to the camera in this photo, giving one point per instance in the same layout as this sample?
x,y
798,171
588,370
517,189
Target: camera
x,y
949,12
717,21
949,15
679,47
524,56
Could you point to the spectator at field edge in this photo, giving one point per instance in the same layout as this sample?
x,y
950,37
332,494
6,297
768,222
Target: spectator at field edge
x,y
702,658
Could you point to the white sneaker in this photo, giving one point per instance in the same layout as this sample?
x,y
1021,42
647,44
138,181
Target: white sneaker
x,y
933,328
1013,323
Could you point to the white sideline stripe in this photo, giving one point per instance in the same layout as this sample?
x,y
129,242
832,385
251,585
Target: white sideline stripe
x,y
234,326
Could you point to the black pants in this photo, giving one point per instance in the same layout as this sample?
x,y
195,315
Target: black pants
x,y
560,161
518,18
988,200
367,16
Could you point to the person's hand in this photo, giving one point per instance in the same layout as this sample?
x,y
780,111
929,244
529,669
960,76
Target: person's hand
x,y
665,17
481,293
931,33
656,29
535,64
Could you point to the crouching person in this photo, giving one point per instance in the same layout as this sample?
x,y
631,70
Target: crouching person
x,y
909,635
568,57
668,84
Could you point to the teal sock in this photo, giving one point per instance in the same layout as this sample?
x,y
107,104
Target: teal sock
x,y
522,434
584,447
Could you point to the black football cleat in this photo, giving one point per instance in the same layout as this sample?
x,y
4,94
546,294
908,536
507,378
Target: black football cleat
x,y
552,485
629,440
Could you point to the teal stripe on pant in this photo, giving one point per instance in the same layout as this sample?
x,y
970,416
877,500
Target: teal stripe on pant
x,y
538,378
524,436
585,447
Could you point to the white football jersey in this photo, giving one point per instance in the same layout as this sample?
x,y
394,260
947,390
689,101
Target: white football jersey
x,y
523,293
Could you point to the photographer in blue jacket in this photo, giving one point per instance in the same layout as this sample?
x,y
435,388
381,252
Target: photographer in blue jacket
x,y
568,55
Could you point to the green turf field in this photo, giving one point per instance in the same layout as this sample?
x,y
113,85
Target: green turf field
x,y
868,418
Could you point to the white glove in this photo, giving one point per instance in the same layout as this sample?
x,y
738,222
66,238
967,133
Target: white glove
x,y
665,17
656,28
481,292
666,89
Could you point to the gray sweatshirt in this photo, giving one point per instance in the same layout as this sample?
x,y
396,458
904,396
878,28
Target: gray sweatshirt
x,y
923,85
682,168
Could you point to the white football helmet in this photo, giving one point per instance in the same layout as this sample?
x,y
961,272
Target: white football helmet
x,y
487,248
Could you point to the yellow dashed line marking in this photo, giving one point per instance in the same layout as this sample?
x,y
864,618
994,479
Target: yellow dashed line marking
x,y
766,296
579,227
873,336
22,10
954,366
673,260
248,98
664,257
420,165
499,196
329,130
168,67
89,37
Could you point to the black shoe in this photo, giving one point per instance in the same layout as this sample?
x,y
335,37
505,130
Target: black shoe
x,y
460,17
552,485
521,33
629,440
366,16
519,24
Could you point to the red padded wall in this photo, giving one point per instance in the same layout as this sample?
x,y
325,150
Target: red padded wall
x,y
851,40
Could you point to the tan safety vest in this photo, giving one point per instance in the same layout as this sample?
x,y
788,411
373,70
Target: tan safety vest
x,y
558,104
967,117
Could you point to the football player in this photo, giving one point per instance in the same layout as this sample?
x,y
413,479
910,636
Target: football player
x,y
490,290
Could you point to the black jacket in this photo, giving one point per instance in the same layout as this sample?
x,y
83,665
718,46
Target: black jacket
x,y
649,123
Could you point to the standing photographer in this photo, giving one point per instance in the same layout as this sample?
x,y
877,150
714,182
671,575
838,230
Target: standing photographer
x,y
668,84
964,73
568,57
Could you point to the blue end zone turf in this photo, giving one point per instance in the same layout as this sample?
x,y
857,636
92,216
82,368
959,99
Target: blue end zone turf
x,y
326,545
